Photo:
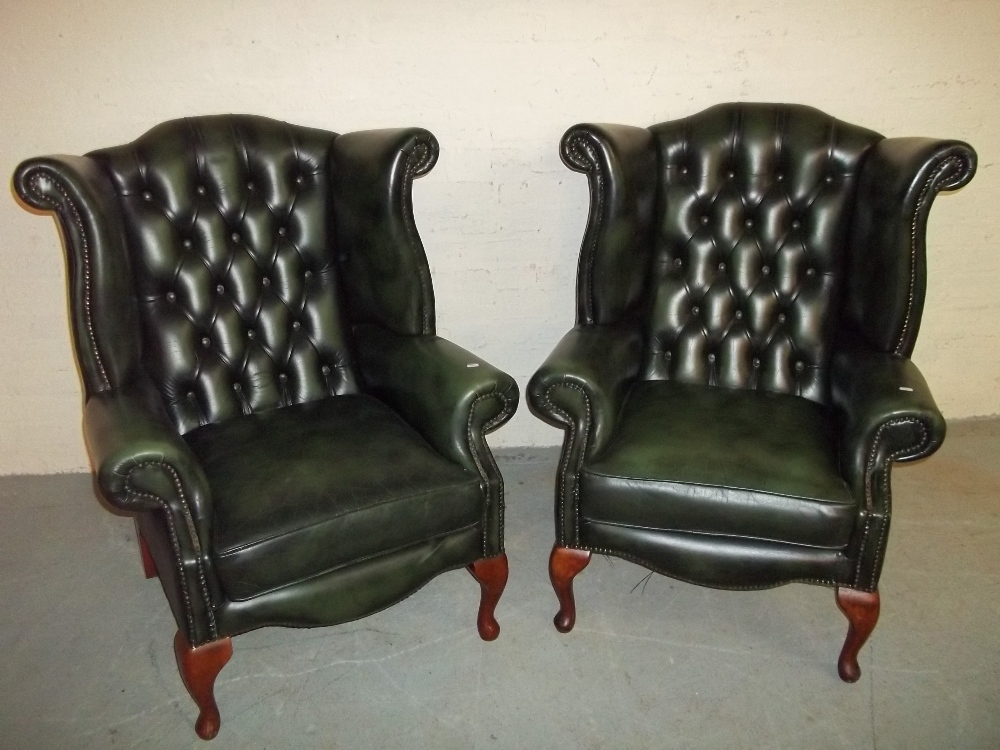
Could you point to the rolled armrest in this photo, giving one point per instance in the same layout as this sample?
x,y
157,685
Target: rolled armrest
x,y
142,464
449,395
887,412
584,381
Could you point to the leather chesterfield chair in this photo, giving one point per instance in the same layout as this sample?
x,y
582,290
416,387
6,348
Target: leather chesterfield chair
x,y
253,319
739,384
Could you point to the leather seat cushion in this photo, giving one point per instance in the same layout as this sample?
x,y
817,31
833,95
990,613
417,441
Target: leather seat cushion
x,y
712,460
305,489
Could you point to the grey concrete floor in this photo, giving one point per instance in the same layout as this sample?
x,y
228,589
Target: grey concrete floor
x,y
87,659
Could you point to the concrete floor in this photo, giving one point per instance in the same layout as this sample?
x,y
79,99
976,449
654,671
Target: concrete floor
x,y
88,662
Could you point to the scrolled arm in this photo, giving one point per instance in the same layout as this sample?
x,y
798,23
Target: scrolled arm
x,y
143,466
581,388
887,414
898,183
620,163
450,396
381,252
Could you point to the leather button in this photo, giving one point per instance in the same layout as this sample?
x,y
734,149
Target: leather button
x,y
171,296
704,219
796,224
810,272
800,366
828,179
147,196
781,317
749,222
237,387
779,177
235,236
755,362
739,315
678,262
283,378
722,266
266,281
250,334
282,231
308,275
730,174
200,190
190,395
296,325
206,341
220,289
711,357
325,369
299,179
187,244
249,186
695,310
766,270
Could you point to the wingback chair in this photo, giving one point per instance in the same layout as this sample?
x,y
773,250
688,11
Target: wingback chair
x,y
738,384
253,319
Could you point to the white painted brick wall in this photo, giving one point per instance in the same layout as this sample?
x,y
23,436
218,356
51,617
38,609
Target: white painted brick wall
x,y
498,83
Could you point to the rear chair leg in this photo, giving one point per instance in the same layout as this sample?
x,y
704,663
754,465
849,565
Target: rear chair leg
x,y
861,609
148,566
491,572
199,666
564,564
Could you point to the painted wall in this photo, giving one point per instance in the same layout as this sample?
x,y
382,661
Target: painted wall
x,y
498,83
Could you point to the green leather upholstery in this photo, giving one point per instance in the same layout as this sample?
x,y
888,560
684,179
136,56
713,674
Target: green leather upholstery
x,y
253,317
738,385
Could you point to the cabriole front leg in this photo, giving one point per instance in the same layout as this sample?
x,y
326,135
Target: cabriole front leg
x,y
564,564
491,572
861,609
199,666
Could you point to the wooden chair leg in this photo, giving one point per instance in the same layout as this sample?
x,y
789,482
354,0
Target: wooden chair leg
x,y
861,609
564,564
148,565
491,572
199,666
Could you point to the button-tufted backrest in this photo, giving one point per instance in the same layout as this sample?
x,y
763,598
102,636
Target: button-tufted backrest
x,y
754,208
228,223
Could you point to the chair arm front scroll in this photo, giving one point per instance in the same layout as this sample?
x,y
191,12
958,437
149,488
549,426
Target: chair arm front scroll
x,y
143,466
581,388
887,414
620,163
450,396
888,275
385,272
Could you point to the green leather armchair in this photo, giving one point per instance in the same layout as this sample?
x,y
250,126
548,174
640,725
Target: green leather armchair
x,y
253,318
738,384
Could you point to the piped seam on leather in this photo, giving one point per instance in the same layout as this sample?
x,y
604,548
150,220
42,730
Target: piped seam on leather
x,y
358,561
568,446
591,472
195,541
925,193
389,501
31,181
869,500
714,534
418,161
660,571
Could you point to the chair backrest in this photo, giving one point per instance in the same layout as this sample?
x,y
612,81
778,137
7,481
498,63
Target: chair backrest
x,y
750,249
228,221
